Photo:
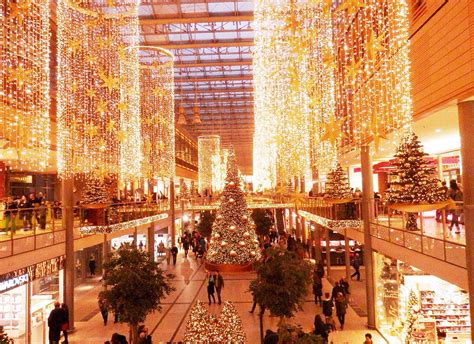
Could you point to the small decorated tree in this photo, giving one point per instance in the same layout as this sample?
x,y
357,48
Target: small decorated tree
x,y
337,185
95,190
206,219
411,316
263,221
233,239
4,339
183,190
413,182
205,328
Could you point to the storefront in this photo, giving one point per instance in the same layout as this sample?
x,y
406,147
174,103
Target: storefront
x,y
82,259
27,297
419,307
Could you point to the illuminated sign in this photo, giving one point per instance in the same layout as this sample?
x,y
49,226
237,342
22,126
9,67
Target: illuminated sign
x,y
13,282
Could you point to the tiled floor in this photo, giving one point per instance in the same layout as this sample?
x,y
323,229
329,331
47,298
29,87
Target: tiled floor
x,y
169,324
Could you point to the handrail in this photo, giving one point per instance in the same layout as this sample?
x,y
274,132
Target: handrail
x,y
34,228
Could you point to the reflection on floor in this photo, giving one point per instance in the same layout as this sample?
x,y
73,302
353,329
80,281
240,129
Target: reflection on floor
x,y
168,326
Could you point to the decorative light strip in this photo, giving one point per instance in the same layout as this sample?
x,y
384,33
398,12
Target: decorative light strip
x,y
24,84
209,146
250,206
98,89
331,224
372,70
121,226
157,112
284,34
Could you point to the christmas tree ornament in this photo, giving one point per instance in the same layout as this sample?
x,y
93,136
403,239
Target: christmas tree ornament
x,y
242,243
232,253
232,200
337,186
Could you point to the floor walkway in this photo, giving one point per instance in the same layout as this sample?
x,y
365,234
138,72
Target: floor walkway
x,y
169,325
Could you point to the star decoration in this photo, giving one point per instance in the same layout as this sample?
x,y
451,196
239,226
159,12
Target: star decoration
x,y
101,106
91,130
122,106
353,69
327,4
74,87
328,59
91,59
105,42
122,52
19,75
331,130
90,93
161,146
74,45
374,45
121,135
110,125
377,132
109,81
351,6
102,145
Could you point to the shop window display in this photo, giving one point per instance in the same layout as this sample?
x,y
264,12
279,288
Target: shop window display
x,y
417,308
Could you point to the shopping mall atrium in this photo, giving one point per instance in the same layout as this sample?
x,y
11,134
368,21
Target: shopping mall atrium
x,y
307,164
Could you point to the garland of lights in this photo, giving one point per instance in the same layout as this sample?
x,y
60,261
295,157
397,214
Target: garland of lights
x,y
250,206
24,84
331,224
121,226
209,146
157,112
98,89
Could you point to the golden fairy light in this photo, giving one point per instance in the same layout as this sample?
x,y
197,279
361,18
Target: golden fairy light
x,y
219,170
282,119
98,88
24,84
372,70
157,112
208,147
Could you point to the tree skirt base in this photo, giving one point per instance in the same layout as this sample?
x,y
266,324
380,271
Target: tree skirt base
x,y
229,267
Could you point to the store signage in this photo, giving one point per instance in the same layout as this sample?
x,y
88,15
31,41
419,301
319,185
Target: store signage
x,y
28,179
13,282
35,271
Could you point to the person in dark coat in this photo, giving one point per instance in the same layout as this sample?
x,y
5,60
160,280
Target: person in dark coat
x,y
219,281
211,287
55,320
65,325
174,252
356,266
103,310
320,328
270,337
317,288
337,289
92,265
185,241
327,305
341,308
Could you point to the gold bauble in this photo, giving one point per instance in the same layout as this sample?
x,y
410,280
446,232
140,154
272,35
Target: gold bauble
x,y
246,234
245,217
242,243
232,228
231,200
223,243
217,235
252,253
233,253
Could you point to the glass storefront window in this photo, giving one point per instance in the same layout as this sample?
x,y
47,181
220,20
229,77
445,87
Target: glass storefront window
x,y
418,308
13,313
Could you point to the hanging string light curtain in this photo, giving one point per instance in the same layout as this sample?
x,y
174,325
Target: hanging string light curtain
x,y
283,36
373,69
208,147
157,112
24,84
219,170
98,88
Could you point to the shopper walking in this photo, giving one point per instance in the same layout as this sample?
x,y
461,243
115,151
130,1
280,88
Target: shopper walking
x,y
219,285
185,245
174,253
341,307
168,255
337,289
55,321
345,285
103,310
65,324
456,195
327,305
320,328
211,287
92,265
317,288
356,266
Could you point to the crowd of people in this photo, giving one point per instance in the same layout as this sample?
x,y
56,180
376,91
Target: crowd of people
x,y
29,212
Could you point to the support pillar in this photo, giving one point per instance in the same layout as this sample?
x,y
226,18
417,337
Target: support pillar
x,y
367,216
347,255
439,167
303,230
328,253
298,227
290,221
172,214
317,239
135,237
466,128
193,216
67,200
151,240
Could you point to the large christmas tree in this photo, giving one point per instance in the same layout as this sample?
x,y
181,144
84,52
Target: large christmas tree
x,y
413,182
412,314
233,239
337,184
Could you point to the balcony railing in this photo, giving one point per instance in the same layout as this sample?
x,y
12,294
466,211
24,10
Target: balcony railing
x,y
42,227
433,237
